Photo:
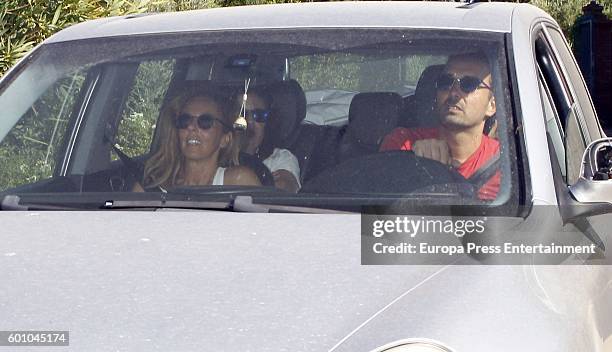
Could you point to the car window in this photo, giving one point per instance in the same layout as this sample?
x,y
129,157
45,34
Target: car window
x,y
579,89
137,124
559,95
554,127
330,81
337,100
31,150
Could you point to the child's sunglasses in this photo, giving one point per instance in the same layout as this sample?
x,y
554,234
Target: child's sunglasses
x,y
259,115
204,121
467,84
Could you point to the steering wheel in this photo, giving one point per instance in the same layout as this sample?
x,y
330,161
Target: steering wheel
x,y
392,172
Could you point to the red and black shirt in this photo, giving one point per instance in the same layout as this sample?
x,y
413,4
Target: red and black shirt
x,y
403,138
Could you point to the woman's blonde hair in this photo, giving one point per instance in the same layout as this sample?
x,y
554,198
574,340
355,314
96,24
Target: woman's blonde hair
x,y
166,161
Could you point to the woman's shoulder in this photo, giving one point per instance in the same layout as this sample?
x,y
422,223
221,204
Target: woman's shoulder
x,y
240,175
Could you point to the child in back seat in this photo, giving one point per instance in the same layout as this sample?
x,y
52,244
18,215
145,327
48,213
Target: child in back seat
x,y
259,141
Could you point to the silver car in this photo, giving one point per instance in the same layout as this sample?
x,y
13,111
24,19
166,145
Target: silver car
x,y
326,266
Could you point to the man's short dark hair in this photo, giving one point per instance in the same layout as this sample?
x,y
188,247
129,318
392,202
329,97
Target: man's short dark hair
x,y
477,56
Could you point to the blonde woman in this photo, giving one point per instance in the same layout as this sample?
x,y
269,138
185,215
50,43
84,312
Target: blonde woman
x,y
197,147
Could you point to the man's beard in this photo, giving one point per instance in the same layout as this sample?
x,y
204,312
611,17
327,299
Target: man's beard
x,y
452,121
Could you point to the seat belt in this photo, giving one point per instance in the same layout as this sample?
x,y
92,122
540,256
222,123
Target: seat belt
x,y
133,167
485,172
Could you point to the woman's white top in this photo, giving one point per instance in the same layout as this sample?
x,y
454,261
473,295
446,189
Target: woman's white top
x,y
282,159
219,177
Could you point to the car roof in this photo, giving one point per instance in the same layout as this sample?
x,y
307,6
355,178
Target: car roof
x,y
494,17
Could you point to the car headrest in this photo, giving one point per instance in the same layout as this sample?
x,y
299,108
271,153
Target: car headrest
x,y
420,112
372,116
288,110
425,94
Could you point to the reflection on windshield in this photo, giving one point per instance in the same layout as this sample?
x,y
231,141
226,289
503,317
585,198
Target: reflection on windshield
x,y
395,114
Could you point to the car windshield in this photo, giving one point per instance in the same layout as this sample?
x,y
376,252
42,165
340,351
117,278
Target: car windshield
x,y
341,112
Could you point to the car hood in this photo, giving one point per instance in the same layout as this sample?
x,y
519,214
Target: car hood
x,y
197,280
192,280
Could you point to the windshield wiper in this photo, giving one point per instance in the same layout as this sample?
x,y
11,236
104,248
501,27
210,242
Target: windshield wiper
x,y
158,204
101,202
240,203
13,202
246,204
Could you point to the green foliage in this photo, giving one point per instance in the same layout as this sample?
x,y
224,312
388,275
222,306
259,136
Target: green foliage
x,y
27,153
254,2
566,12
415,65
181,5
314,72
25,23
22,166
137,125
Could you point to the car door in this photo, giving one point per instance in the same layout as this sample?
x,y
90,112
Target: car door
x,y
571,124
571,121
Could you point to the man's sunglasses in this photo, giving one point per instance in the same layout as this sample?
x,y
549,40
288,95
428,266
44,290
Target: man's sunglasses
x,y
467,84
259,115
204,121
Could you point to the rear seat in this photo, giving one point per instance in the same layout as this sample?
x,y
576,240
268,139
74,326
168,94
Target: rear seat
x,y
318,146
371,117
418,109
288,111
304,146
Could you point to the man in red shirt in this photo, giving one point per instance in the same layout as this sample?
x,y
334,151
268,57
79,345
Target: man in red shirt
x,y
464,101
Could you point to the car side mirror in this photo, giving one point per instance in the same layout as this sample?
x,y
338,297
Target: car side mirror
x,y
595,182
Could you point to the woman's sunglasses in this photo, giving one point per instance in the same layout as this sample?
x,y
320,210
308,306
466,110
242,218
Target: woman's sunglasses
x,y
204,121
467,84
259,115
